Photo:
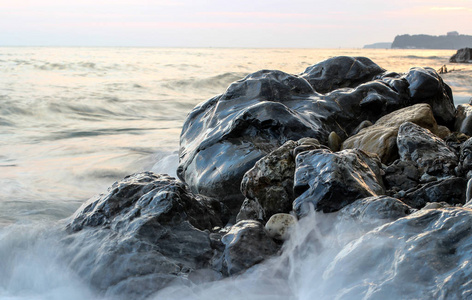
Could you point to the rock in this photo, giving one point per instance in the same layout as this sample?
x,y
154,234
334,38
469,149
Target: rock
x,y
340,72
455,140
279,225
425,255
246,244
329,181
465,158
430,153
372,212
250,210
334,141
451,190
463,55
364,124
436,205
426,86
468,194
225,136
270,182
150,229
464,119
401,175
442,132
381,138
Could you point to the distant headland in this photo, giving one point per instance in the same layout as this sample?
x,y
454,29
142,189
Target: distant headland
x,y
452,40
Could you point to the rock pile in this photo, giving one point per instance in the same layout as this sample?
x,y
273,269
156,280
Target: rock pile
x,y
343,137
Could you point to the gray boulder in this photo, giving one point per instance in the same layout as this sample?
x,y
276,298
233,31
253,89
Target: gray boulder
x,y
425,255
146,232
430,153
329,181
341,72
367,213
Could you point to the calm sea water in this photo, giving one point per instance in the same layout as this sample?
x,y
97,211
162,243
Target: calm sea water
x,y
74,120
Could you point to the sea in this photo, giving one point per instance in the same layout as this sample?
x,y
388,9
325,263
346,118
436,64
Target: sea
x,y
73,120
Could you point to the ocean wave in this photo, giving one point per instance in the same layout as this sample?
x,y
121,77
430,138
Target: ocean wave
x,y
220,81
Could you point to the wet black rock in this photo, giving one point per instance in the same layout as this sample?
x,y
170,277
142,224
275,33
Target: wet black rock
x,y
463,55
329,181
426,86
430,153
368,213
425,255
341,72
451,190
150,229
246,244
464,119
401,175
225,136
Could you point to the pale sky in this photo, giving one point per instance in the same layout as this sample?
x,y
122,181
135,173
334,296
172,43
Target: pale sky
x,y
221,23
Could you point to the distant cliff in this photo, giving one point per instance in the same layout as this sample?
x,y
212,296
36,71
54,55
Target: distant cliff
x,y
423,41
378,46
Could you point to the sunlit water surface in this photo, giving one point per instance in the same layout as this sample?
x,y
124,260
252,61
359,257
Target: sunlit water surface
x,y
74,120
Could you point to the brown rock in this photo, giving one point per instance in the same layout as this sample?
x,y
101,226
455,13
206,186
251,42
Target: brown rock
x,y
380,138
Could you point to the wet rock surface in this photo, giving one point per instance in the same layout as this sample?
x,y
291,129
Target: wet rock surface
x,y
270,182
225,136
151,230
451,191
246,244
430,153
329,181
401,175
423,255
371,212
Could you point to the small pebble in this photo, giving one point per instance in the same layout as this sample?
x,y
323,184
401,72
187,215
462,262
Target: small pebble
x,y
278,226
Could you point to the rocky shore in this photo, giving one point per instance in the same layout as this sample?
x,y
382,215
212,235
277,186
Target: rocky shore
x,y
384,150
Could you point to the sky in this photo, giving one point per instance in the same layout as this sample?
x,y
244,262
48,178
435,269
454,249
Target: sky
x,y
222,23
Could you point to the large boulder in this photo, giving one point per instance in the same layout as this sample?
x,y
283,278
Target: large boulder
x,y
425,255
329,181
381,138
146,232
430,153
463,55
426,86
367,213
225,136
341,72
